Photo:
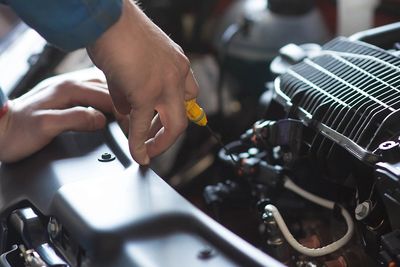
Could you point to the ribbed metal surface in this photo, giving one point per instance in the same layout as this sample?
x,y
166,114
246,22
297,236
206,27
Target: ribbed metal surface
x,y
351,91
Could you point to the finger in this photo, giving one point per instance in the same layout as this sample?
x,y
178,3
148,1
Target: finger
x,y
72,119
140,121
70,94
100,85
174,121
155,126
191,86
65,84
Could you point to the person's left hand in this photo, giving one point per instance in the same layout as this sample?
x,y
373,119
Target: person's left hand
x,y
35,118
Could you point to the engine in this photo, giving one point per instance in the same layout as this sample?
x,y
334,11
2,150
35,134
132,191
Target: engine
x,y
314,182
319,172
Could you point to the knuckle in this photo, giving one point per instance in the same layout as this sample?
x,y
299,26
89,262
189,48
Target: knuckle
x,y
65,85
89,118
179,68
62,87
184,64
179,71
179,48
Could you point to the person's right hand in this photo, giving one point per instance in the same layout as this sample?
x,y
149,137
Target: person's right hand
x,y
146,73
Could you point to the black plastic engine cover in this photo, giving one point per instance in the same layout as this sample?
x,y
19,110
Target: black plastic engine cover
x,y
119,213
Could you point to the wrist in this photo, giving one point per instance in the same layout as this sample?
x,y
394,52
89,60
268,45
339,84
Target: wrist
x,y
4,110
119,38
4,105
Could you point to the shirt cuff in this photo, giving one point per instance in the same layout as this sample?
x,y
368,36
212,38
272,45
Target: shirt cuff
x,y
69,24
3,104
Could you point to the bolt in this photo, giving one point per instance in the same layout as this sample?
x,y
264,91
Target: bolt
x,y
267,217
53,228
275,242
253,152
206,254
388,145
106,157
362,210
262,203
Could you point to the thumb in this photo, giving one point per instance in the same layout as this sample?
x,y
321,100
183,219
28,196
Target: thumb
x,y
140,122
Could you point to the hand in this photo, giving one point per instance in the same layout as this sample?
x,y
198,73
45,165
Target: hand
x,y
146,73
35,118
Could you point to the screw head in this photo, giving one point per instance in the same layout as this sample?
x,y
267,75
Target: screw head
x,y
106,157
205,254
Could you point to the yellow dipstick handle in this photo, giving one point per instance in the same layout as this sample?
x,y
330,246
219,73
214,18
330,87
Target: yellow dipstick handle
x,y
195,113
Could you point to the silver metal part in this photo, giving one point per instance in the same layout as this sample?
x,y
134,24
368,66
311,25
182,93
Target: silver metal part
x,y
31,257
53,228
362,210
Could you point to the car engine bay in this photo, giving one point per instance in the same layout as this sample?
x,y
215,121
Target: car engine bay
x,y
307,175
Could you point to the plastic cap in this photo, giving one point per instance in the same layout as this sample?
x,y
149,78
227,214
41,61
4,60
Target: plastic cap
x,y
290,7
195,113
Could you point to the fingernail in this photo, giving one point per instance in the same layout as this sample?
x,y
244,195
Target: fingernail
x,y
146,161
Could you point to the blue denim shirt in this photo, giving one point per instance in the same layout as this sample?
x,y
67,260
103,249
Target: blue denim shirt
x,y
68,24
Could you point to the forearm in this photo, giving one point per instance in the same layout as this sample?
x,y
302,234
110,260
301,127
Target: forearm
x,y
131,31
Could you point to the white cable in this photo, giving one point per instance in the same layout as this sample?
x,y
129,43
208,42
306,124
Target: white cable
x,y
322,202
307,195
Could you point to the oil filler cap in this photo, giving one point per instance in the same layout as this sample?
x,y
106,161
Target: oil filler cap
x,y
290,7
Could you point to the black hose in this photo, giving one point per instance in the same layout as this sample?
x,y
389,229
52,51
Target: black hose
x,y
231,150
227,38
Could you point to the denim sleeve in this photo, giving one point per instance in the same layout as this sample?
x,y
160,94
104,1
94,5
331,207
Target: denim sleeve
x,y
68,24
3,99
